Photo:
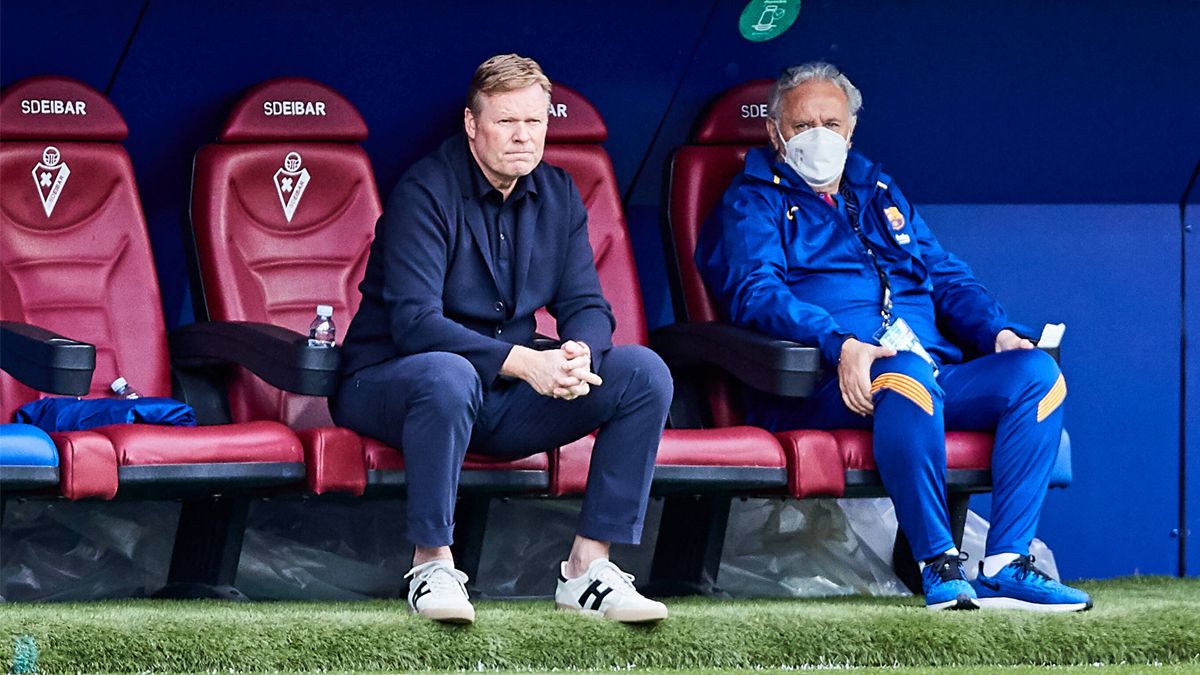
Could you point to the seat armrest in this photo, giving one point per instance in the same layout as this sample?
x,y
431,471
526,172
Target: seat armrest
x,y
279,356
1029,334
45,360
768,364
1054,352
542,343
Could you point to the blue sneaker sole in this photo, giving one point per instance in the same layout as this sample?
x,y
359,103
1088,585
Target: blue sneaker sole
x,y
1013,603
962,602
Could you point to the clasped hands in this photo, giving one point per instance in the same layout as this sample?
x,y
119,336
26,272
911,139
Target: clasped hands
x,y
854,368
564,373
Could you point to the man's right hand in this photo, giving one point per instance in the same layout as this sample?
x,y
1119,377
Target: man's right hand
x,y
550,370
854,374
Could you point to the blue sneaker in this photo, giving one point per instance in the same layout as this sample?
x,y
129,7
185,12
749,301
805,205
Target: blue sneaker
x,y
946,587
1020,585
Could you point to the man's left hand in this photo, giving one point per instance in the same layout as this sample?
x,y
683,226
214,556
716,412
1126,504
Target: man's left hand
x,y
579,365
1007,340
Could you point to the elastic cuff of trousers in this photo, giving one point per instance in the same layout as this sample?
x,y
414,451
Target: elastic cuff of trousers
x,y
612,533
422,535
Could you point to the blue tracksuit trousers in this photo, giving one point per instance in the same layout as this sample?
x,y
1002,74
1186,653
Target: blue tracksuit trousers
x,y
1016,394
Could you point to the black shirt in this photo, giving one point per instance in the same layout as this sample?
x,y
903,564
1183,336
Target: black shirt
x,y
501,216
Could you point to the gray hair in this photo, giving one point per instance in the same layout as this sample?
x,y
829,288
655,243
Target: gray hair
x,y
817,70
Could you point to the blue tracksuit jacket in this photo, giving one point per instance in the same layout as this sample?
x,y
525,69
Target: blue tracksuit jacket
x,y
781,261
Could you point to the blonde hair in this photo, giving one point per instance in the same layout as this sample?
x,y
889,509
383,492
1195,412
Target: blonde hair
x,y
502,73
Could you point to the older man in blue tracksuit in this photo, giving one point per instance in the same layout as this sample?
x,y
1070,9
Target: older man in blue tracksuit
x,y
814,243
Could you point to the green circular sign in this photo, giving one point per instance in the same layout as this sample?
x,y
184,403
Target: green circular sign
x,y
766,19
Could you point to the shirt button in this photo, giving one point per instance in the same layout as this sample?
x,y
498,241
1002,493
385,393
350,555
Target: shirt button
x,y
499,306
501,236
499,331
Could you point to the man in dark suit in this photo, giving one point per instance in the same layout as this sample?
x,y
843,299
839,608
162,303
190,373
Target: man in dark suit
x,y
475,238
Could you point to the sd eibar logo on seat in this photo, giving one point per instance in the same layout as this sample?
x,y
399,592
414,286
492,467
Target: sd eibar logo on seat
x,y
290,182
50,175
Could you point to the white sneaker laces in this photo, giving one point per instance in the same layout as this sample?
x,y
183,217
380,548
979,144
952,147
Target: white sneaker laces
x,y
613,576
441,578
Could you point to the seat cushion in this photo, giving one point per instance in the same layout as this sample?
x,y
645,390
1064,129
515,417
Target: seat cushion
x,y
26,445
87,465
145,444
333,457
28,458
731,448
970,450
815,466
818,460
382,457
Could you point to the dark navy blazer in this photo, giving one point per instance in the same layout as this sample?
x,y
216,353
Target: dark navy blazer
x,y
430,284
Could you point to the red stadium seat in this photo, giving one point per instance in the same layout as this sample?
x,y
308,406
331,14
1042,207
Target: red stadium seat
x,y
284,207
77,261
732,458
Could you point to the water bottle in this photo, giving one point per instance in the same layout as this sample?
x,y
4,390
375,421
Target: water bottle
x,y
322,332
123,389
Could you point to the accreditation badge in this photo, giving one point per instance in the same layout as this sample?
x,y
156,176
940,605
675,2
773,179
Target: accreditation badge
x,y
899,335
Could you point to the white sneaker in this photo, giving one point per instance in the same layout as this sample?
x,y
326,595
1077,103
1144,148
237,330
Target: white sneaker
x,y
438,591
606,591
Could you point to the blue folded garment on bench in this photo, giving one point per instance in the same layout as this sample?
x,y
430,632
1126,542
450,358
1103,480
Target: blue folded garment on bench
x,y
73,414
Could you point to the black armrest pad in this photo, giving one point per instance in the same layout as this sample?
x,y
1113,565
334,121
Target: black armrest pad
x,y
281,357
46,361
765,363
542,343
1028,333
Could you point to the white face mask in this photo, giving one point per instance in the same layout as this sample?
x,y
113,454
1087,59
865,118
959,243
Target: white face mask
x,y
818,155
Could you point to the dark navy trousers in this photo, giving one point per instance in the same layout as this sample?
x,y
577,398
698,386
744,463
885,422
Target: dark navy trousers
x,y
1016,394
434,408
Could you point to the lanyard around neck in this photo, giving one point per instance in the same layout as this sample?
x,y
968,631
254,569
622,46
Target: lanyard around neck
x,y
885,301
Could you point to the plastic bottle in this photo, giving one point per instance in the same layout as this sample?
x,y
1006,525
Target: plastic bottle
x,y
322,332
123,389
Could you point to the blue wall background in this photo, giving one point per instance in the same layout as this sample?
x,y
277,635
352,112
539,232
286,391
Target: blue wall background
x,y
1058,138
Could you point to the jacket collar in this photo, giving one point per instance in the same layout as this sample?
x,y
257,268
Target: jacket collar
x,y
474,188
861,174
475,184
